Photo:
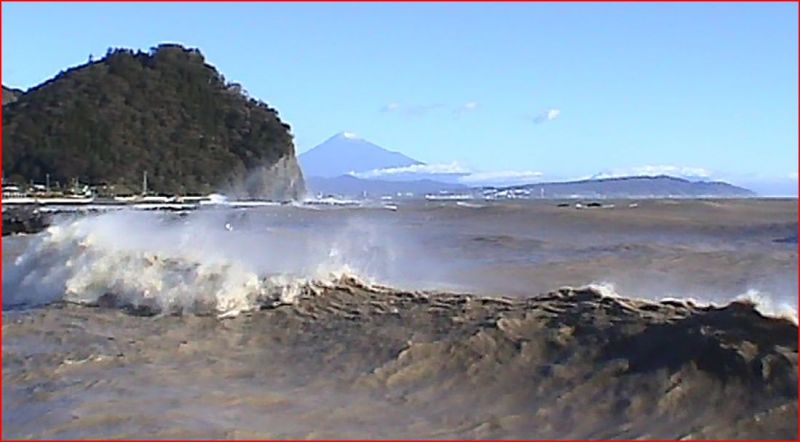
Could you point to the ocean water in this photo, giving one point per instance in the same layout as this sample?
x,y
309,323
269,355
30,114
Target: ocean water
x,y
435,320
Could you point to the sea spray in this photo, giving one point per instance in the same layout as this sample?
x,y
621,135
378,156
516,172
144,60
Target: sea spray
x,y
156,263
768,305
226,261
764,303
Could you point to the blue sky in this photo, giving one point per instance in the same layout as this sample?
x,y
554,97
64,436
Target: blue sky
x,y
566,90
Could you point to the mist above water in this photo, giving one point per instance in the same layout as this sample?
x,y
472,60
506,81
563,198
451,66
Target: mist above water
x,y
228,260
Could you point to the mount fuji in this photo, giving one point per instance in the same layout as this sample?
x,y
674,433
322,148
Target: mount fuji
x,y
345,154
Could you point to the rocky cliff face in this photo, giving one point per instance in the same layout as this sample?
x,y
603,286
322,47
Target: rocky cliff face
x,y
10,95
282,180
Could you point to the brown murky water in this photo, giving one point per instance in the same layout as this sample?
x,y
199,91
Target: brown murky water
x,y
348,323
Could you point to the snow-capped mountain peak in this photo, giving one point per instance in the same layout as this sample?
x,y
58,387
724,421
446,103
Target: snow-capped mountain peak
x,y
349,135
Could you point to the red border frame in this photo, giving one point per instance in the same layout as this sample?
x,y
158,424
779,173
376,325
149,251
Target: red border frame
x,y
797,199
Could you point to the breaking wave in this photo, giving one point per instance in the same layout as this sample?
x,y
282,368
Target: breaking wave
x,y
579,362
764,303
157,264
201,264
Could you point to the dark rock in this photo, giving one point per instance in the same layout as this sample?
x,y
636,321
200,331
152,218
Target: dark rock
x,y
24,219
787,240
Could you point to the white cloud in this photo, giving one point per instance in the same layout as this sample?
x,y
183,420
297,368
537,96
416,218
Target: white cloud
x,y
467,107
548,115
409,110
391,107
503,177
416,169
415,110
459,173
688,172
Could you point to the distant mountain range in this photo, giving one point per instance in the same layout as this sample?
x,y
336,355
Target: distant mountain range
x,y
350,186
344,153
350,166
627,187
343,165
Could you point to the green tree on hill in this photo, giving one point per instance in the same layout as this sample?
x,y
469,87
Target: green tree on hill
x,y
165,111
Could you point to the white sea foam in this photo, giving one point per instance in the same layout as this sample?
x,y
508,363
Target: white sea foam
x,y
195,265
768,305
765,303
226,262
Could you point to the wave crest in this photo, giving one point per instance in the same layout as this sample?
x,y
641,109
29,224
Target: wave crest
x,y
114,260
156,263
